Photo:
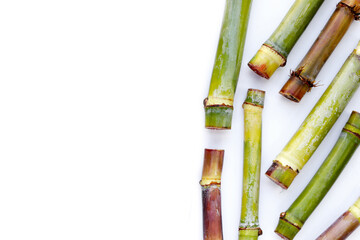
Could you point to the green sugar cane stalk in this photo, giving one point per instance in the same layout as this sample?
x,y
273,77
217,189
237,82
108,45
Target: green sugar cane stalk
x,y
219,103
249,228
211,194
344,225
295,217
274,52
317,124
303,78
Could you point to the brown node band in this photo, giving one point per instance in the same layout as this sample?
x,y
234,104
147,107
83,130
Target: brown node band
x,y
260,232
353,5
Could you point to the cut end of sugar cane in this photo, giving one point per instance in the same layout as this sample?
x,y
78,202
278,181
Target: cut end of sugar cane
x,y
295,88
255,97
266,61
249,233
285,229
281,175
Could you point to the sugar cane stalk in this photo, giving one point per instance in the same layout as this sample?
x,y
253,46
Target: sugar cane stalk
x,y
249,228
211,194
344,225
317,124
294,218
274,52
303,78
219,103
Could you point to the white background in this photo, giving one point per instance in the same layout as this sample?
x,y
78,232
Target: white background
x,y
102,124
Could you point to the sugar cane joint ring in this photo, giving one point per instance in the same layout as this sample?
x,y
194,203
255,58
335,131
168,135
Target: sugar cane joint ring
x,y
260,232
354,6
307,81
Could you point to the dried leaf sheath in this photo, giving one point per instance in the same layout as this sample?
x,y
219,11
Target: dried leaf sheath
x,y
219,103
249,228
317,124
275,50
295,217
344,225
303,78
211,194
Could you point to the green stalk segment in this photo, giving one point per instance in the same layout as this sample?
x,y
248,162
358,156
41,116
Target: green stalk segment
x,y
219,103
317,124
211,194
249,228
294,218
275,50
303,78
344,225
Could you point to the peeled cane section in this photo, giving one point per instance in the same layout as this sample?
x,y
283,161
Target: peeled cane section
x,y
303,78
249,228
275,50
317,124
211,194
294,218
344,225
219,103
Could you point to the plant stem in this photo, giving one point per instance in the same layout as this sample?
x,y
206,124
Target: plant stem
x,y
294,218
344,225
249,228
275,50
211,194
303,78
219,103
317,124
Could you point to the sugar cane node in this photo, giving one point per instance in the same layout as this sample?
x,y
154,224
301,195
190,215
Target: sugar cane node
x,y
218,113
255,229
297,86
213,162
352,126
288,226
354,6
